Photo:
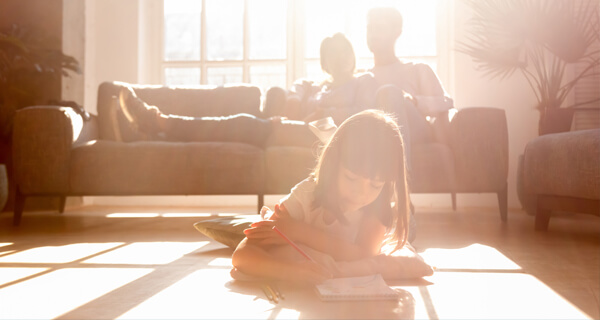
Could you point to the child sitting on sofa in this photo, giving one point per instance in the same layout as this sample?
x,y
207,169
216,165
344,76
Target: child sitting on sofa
x,y
343,94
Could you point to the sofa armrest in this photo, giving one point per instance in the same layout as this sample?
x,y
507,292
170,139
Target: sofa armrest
x,y
563,164
478,137
43,137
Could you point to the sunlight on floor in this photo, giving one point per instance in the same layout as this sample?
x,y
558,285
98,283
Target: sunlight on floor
x,y
58,254
13,274
480,295
147,253
202,294
3,244
487,284
132,215
220,262
476,282
475,256
60,291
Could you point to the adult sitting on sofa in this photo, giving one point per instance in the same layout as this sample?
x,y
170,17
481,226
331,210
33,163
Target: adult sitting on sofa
x,y
241,127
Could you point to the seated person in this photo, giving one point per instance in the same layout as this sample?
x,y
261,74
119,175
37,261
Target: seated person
x,y
411,91
343,94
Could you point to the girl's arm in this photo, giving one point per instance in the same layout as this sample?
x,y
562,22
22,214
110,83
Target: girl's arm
x,y
256,261
368,241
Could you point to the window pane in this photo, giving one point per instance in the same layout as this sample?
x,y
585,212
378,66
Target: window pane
x,y
182,76
323,19
224,29
314,72
224,75
267,20
268,76
419,23
182,29
364,64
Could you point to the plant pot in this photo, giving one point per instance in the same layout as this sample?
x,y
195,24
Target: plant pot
x,y
3,186
555,120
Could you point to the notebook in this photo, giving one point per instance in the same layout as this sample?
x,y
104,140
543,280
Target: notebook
x,y
371,287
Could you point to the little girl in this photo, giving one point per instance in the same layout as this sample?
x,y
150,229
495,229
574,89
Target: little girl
x,y
351,215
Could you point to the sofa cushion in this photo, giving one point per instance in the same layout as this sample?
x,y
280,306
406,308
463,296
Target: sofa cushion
x,y
166,168
226,230
564,164
287,166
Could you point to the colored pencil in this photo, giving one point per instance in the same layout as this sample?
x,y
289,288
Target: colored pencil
x,y
292,244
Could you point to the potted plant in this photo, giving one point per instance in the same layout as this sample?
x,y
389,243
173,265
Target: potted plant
x,y
30,63
541,39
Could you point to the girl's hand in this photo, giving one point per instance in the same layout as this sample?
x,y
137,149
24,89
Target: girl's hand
x,y
261,232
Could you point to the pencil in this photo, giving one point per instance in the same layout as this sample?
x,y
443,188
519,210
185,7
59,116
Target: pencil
x,y
279,293
267,293
275,296
292,244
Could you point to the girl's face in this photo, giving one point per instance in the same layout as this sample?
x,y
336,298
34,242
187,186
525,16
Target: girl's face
x,y
356,191
342,65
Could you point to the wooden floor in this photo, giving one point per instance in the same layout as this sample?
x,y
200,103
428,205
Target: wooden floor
x,y
116,262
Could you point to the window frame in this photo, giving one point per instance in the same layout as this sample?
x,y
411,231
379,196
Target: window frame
x,y
155,64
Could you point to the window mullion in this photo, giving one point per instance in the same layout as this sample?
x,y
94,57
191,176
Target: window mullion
x,y
203,41
297,18
246,43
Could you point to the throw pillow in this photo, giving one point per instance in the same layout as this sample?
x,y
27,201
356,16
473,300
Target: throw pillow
x,y
226,230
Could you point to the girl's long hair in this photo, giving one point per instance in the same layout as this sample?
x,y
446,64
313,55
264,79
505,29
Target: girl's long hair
x,y
368,144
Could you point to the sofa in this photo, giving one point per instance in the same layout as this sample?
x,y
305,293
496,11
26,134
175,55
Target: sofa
x,y
561,172
57,152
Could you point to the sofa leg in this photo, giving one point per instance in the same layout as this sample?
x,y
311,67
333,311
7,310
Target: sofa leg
x,y
62,201
19,205
261,202
453,196
542,218
503,203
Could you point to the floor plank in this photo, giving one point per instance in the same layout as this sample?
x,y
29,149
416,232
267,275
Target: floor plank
x,y
124,262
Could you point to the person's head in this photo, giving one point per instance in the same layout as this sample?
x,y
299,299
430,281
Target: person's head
x,y
363,167
337,56
384,26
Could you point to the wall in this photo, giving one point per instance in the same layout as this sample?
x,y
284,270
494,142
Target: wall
x,y
512,94
44,16
113,35
111,46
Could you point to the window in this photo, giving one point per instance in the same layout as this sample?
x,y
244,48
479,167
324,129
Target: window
x,y
274,42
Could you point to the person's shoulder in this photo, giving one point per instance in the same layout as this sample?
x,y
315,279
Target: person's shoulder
x,y
364,77
416,65
299,200
306,185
